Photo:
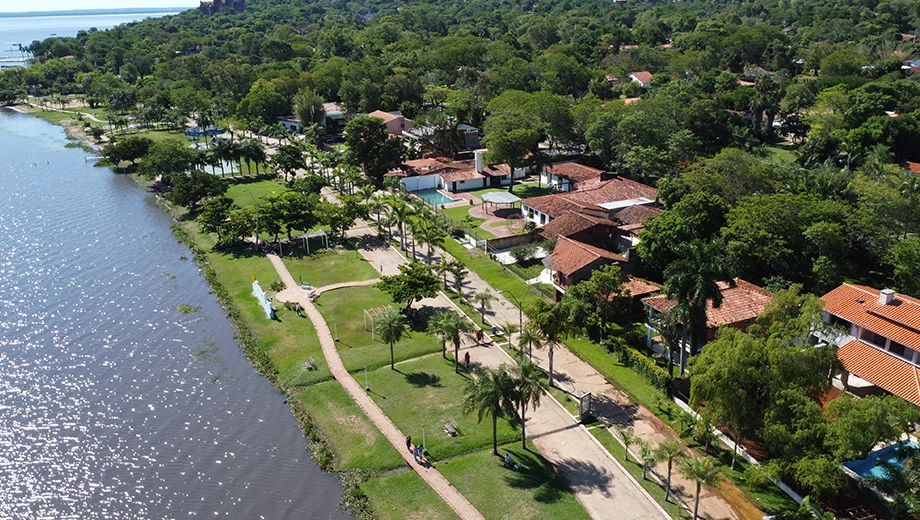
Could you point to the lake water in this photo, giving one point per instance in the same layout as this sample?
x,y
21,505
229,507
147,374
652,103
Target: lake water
x,y
113,404
26,29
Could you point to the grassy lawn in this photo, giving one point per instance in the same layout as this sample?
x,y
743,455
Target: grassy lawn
x,y
657,492
289,340
569,403
427,391
258,187
493,273
354,439
405,495
528,270
328,266
535,491
523,190
460,213
783,152
356,348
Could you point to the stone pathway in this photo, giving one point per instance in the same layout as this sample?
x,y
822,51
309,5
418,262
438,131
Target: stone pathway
x,y
440,485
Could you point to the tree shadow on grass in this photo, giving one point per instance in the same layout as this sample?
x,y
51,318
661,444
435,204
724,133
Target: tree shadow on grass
x,y
537,474
422,379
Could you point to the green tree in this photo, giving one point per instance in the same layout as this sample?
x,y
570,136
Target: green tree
x,y
167,157
308,106
528,388
628,438
554,321
490,392
599,299
530,337
370,147
288,158
450,326
188,189
484,300
648,457
703,471
693,280
391,325
413,283
857,425
904,257
669,452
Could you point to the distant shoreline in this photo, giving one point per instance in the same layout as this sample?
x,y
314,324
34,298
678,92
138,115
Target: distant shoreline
x,y
96,12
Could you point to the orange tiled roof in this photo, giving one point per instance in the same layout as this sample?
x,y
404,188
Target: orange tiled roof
x,y
643,75
466,174
636,214
742,302
882,369
570,223
380,114
575,172
569,256
638,286
898,321
588,198
912,166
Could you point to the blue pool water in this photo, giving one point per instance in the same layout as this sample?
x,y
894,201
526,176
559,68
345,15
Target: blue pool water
x,y
869,468
433,197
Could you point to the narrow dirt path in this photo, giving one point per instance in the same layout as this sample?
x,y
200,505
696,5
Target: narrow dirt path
x,y
440,485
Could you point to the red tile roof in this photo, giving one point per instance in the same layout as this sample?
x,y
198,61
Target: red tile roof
x,y
636,214
882,369
742,302
451,175
912,166
643,75
569,256
380,114
570,223
898,321
638,286
575,172
587,198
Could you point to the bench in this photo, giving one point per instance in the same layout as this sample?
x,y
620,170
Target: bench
x,y
309,364
451,428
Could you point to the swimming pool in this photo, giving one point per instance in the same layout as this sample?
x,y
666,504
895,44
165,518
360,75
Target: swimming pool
x,y
869,468
433,197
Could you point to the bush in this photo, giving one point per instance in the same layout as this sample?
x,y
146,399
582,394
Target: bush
x,y
523,252
642,365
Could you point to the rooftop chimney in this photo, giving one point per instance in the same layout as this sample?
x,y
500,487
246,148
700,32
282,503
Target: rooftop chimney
x,y
478,154
886,297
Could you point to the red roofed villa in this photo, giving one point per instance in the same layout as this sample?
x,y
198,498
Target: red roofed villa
x,y
742,303
574,261
881,342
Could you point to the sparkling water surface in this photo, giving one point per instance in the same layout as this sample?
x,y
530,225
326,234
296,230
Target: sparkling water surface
x,y
113,403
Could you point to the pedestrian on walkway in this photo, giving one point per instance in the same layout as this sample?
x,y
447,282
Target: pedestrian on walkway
x,y
409,442
479,335
466,360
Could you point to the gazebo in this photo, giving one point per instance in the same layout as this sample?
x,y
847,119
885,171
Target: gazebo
x,y
315,234
500,198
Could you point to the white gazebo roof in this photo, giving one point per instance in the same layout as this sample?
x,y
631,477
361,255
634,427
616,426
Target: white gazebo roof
x,y
500,197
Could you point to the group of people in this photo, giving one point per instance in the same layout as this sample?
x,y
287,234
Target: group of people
x,y
417,451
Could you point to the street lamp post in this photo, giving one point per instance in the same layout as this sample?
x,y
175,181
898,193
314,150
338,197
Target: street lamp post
x,y
258,210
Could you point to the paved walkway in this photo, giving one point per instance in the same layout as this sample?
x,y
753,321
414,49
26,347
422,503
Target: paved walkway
x,y
597,480
440,485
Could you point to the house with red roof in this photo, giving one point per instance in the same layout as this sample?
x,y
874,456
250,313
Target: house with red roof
x,y
880,339
742,303
642,77
602,199
569,176
396,124
430,173
573,261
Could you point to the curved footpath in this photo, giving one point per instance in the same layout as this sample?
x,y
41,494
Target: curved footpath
x,y
440,485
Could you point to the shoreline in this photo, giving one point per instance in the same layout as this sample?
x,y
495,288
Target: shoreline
x,y
321,453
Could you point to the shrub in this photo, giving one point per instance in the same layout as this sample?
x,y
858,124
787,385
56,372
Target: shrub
x,y
523,252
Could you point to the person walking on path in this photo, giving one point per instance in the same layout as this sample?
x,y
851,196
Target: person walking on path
x,y
409,442
466,360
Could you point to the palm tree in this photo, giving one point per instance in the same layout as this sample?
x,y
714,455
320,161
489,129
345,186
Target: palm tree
x,y
400,211
376,204
459,272
450,326
693,280
648,456
442,269
432,235
484,299
554,322
702,471
252,151
628,438
529,386
909,187
510,328
531,337
667,452
491,392
392,327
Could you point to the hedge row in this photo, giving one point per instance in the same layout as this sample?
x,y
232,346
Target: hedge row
x,y
642,365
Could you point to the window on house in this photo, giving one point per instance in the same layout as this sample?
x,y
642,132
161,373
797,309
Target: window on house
x,y
542,219
901,351
870,337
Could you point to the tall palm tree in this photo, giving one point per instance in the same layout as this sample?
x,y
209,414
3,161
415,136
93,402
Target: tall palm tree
x,y
442,269
531,337
376,204
484,299
400,211
392,327
693,280
667,452
529,387
491,392
459,272
430,234
510,328
702,471
554,321
648,456
252,151
450,326
628,438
